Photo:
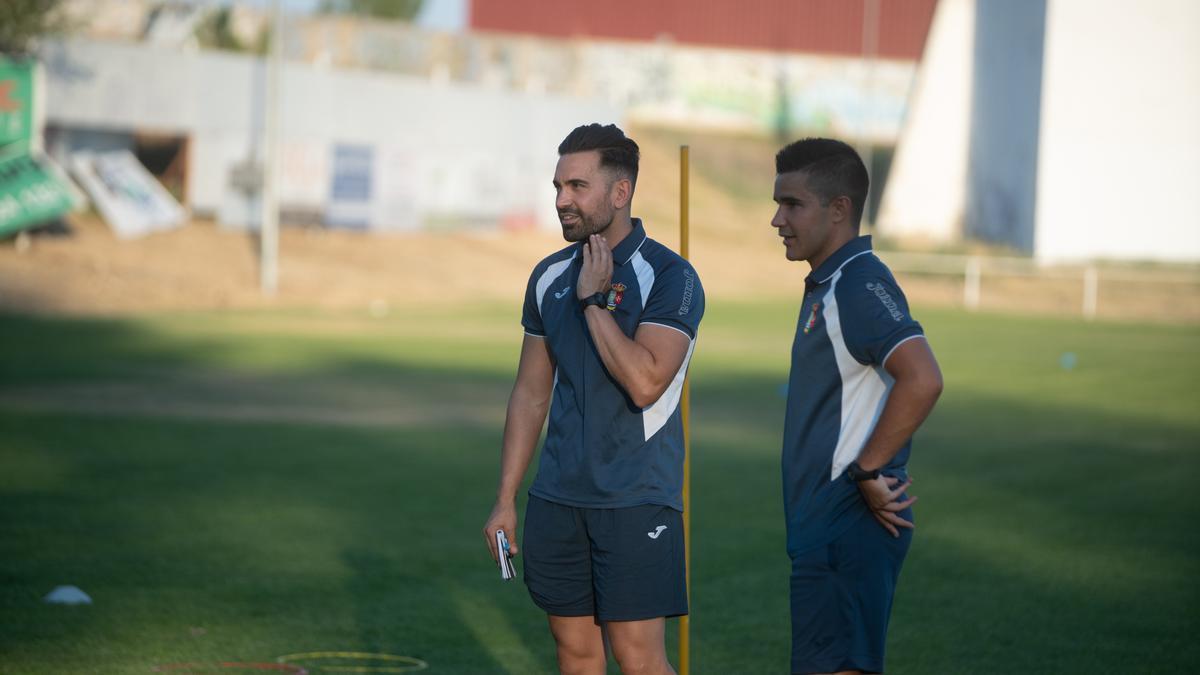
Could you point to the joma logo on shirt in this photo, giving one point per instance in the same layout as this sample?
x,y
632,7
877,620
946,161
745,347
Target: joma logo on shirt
x,y
881,293
689,283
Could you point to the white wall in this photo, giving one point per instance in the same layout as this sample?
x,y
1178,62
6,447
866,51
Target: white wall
x,y
1119,169
925,194
473,153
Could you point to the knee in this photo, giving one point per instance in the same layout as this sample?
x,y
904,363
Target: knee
x,y
579,658
640,659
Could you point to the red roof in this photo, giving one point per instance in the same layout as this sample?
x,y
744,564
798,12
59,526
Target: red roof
x,y
813,26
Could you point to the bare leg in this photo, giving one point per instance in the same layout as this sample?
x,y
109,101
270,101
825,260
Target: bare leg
x,y
580,645
639,648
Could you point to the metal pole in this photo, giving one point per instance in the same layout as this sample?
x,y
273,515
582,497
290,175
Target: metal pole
x,y
1091,291
870,46
269,231
971,283
685,409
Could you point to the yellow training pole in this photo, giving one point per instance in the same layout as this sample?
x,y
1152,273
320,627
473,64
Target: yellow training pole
x,y
685,410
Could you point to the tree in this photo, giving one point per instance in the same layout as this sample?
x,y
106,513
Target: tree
x,y
23,21
402,10
215,31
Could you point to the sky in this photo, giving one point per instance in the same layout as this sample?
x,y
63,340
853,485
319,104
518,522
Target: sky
x,y
447,15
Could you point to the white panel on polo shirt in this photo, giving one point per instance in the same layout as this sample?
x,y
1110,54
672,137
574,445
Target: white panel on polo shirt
x,y
552,272
864,389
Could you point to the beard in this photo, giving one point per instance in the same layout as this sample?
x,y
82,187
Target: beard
x,y
585,224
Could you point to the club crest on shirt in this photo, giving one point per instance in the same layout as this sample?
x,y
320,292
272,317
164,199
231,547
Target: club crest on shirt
x,y
812,318
615,294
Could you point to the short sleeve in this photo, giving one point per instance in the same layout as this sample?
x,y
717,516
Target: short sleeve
x,y
676,299
874,317
531,313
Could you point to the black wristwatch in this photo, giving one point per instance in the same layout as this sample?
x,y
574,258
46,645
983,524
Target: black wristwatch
x,y
598,299
859,474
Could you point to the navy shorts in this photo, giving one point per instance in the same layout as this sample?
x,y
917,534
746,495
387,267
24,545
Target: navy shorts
x,y
614,564
842,598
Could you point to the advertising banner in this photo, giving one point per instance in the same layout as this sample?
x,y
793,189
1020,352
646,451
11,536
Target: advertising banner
x,y
16,104
130,199
31,192
351,194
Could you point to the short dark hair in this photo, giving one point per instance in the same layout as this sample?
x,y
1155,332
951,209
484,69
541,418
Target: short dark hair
x,y
617,151
834,170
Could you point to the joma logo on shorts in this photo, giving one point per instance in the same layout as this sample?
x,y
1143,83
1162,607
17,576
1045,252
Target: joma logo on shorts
x,y
881,293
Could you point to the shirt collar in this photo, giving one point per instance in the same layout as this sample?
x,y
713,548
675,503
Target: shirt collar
x,y
630,244
833,263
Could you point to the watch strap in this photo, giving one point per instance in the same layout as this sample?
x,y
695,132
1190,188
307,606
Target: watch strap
x,y
859,474
598,299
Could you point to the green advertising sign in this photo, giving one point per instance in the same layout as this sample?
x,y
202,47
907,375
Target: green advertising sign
x,y
30,193
16,103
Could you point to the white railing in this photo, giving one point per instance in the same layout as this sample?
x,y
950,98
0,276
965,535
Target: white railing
x,y
973,269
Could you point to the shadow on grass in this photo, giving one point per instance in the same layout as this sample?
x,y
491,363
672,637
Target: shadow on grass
x,y
1051,536
206,542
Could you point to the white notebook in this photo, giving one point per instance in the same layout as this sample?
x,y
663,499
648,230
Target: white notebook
x,y
506,567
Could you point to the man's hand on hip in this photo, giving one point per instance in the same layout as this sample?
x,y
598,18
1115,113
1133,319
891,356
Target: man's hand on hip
x,y
881,495
596,275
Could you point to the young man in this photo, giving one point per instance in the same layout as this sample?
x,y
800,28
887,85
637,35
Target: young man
x,y
610,323
863,379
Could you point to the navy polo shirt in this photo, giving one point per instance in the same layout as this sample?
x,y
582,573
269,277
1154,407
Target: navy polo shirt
x,y
601,450
852,317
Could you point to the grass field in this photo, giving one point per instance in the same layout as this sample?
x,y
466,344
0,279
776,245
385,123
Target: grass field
x,y
235,487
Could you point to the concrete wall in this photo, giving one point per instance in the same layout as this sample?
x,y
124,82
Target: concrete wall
x,y
471,155
1119,166
1005,108
925,195
1080,138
